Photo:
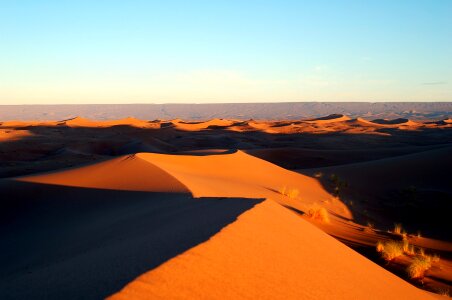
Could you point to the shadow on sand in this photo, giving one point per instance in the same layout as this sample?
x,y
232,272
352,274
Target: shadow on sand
x,y
62,242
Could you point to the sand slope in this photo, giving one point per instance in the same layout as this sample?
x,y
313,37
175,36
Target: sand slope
x,y
83,122
62,242
123,173
215,175
329,119
270,253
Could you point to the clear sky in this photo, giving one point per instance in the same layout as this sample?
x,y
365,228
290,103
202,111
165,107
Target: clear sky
x,y
132,51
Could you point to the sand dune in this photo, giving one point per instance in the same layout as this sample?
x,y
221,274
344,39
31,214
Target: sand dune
x,y
329,119
399,121
270,253
202,125
62,242
216,175
203,220
83,122
123,173
13,135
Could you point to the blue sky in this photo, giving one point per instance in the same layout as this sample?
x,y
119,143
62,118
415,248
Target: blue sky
x,y
224,51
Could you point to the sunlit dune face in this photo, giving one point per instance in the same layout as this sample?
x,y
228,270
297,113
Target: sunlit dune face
x,y
269,253
277,248
9,135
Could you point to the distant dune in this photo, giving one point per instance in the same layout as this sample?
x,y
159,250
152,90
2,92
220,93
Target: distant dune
x,y
329,119
222,208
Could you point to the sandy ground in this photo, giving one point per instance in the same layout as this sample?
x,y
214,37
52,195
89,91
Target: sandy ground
x,y
137,209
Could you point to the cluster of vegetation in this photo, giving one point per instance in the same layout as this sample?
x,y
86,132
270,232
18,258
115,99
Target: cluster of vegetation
x,y
319,213
318,174
338,184
420,263
289,192
390,249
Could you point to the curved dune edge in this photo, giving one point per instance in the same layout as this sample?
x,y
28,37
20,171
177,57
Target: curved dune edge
x,y
8,135
270,253
216,175
129,173
328,119
243,175
82,122
201,125
394,122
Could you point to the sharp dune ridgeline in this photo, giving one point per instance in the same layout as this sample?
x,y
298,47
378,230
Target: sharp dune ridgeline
x,y
224,208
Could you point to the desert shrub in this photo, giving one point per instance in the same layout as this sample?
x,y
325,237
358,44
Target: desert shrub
x,y
391,250
293,193
318,175
370,227
380,246
318,213
418,266
289,192
405,245
338,184
411,250
443,291
421,252
435,258
398,228
282,190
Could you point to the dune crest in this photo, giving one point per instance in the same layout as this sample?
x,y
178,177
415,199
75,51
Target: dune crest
x,y
213,175
83,122
329,119
123,173
249,258
399,121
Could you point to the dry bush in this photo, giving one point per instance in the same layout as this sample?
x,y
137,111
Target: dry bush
x,y
318,175
318,213
397,228
369,228
435,258
380,246
289,192
405,245
282,190
391,250
421,252
418,266
443,291
411,250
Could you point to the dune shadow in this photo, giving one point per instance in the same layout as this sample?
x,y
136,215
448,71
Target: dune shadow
x,y
62,242
40,148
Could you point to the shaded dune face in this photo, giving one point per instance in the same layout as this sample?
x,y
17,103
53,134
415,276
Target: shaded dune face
x,y
61,242
115,227
123,173
410,189
329,119
270,253
205,223
226,174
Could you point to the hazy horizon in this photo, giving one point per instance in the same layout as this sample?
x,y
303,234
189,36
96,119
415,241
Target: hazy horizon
x,y
244,111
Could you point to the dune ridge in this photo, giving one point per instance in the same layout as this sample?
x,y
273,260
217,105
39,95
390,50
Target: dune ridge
x,y
252,258
227,174
128,172
273,249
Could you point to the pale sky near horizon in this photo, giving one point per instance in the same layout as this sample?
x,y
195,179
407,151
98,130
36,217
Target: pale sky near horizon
x,y
224,51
